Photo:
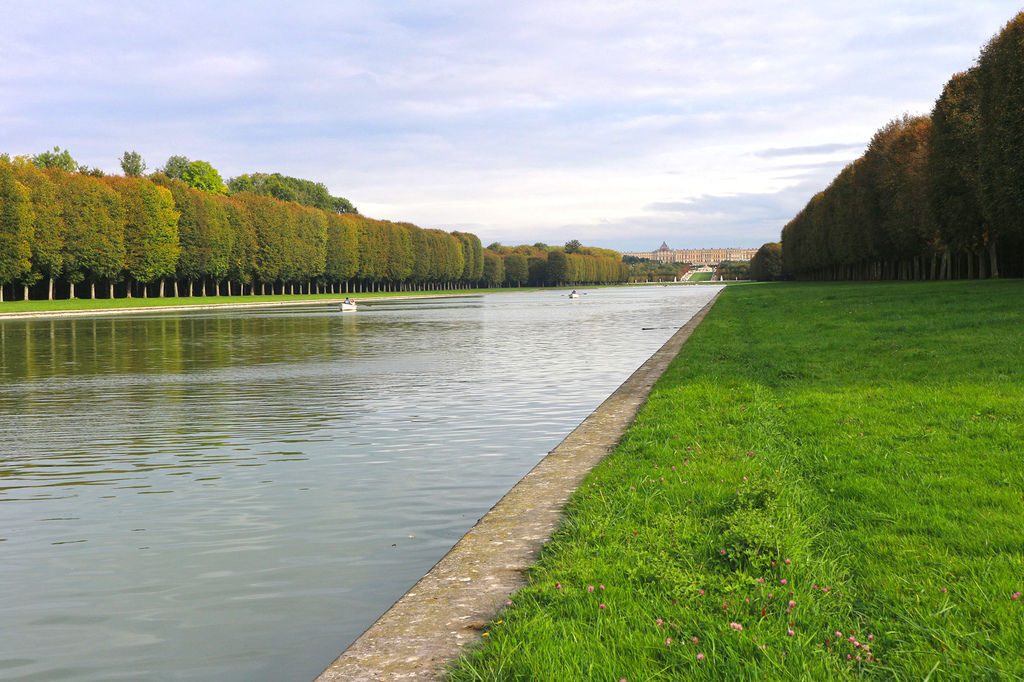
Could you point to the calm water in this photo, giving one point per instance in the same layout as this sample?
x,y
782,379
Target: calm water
x,y
237,495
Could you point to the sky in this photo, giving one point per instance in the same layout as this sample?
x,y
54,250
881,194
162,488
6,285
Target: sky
x,y
622,124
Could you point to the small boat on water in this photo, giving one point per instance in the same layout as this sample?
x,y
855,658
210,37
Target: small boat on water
x,y
574,295
347,306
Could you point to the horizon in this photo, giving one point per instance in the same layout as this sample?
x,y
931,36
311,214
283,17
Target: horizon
x,y
621,127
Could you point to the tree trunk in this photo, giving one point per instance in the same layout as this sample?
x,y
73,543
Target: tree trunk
x,y
161,287
992,259
71,291
216,288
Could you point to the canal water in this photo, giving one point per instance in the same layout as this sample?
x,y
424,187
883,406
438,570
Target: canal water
x,y
238,494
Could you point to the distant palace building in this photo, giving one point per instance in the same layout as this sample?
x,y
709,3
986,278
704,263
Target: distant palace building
x,y
695,256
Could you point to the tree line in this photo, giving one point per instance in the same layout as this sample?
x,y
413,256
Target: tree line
x,y
543,265
64,227
939,196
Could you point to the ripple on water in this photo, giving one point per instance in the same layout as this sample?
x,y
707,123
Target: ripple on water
x,y
235,495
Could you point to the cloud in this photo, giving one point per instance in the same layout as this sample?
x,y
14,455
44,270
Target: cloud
x,y
575,119
810,150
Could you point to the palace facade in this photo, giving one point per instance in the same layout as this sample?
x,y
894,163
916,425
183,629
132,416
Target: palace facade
x,y
695,256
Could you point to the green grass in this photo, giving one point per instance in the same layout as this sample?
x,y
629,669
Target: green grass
x,y
861,442
106,303
700,277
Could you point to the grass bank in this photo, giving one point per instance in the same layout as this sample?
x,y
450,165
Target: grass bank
x,y
826,483
114,303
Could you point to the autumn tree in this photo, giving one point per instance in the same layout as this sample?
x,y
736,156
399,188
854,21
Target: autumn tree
x,y
94,241
150,230
16,232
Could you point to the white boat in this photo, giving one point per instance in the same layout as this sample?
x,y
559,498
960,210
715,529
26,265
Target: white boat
x,y
574,295
346,307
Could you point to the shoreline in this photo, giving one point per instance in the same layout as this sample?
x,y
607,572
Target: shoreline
x,y
134,310
329,299
432,623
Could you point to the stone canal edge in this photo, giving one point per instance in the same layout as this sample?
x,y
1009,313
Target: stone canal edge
x,y
428,627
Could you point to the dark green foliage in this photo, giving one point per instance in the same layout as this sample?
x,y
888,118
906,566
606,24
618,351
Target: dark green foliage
x,y
538,270
196,174
766,265
516,269
494,269
16,222
558,268
175,167
132,164
572,246
1000,79
932,198
59,159
285,188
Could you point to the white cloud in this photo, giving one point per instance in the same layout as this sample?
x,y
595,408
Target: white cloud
x,y
526,120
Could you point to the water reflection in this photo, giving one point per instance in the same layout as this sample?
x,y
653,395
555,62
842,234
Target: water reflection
x,y
232,494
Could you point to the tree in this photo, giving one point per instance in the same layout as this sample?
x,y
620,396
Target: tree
x,y
538,270
516,269
58,158
286,188
15,228
766,265
494,269
94,241
132,164
954,183
1000,77
48,233
558,268
150,229
175,167
204,177
572,246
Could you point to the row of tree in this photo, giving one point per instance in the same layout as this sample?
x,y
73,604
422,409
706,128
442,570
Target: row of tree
x,y
933,197
130,235
543,265
140,236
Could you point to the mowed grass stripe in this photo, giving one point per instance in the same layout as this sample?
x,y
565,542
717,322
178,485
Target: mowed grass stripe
x,y
827,483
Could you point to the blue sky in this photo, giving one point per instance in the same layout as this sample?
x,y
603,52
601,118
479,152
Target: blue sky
x,y
621,124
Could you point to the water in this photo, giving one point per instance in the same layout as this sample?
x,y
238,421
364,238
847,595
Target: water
x,y
237,495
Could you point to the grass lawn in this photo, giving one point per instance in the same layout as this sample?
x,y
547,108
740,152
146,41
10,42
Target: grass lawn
x,y
827,483
106,303
700,277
